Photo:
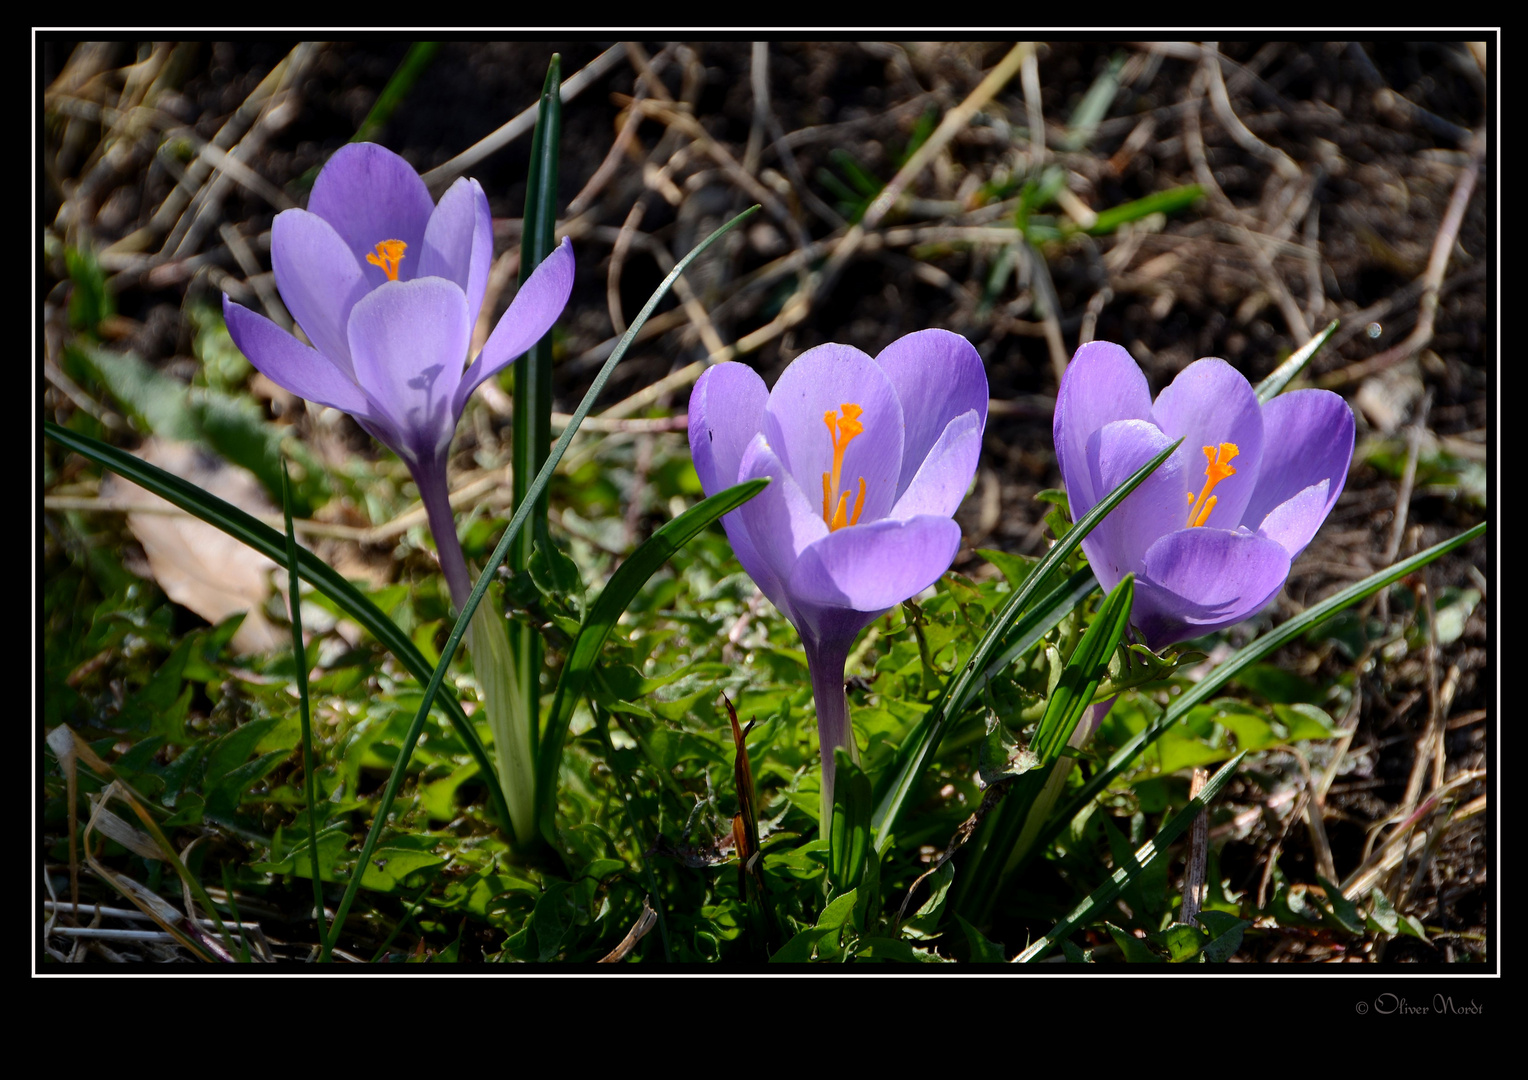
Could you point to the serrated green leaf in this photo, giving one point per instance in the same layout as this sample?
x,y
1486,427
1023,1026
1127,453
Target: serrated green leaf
x,y
1303,722
1184,944
1225,934
983,950
1136,951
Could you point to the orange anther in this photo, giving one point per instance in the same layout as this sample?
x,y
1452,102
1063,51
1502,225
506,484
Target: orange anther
x,y
1217,468
842,427
388,255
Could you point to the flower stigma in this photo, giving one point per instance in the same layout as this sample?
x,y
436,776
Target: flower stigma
x,y
842,427
388,255
1218,468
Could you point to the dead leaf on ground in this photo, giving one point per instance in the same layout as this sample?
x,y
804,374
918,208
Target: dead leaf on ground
x,y
197,565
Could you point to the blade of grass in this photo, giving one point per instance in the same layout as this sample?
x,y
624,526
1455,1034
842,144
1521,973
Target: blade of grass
x,y
1041,619
605,612
1279,378
1086,666
522,512
1239,661
918,749
300,654
409,69
531,434
255,534
1158,202
1094,106
1123,876
1034,792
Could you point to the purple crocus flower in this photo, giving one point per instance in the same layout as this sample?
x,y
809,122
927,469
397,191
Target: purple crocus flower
x,y
869,458
1211,534
387,286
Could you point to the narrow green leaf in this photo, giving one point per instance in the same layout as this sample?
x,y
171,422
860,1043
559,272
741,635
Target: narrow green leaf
x,y
1159,202
918,749
1084,669
849,836
300,655
1148,851
1027,806
604,613
531,432
1041,619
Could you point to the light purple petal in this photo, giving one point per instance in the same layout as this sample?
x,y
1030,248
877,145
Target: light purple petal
x,y
779,521
370,194
1117,544
1101,384
1308,441
870,568
319,279
941,482
535,308
822,380
1210,403
408,339
458,242
292,365
1197,580
937,376
726,412
1295,520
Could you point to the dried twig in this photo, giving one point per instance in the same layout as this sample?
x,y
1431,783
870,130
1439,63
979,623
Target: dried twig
x,y
1432,281
524,121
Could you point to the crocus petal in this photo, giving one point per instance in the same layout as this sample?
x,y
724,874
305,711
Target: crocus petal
x,y
1295,520
319,279
1197,580
370,194
942,374
873,567
1308,441
780,520
1117,544
408,339
822,380
1101,384
292,365
1210,403
726,412
535,308
458,242
941,481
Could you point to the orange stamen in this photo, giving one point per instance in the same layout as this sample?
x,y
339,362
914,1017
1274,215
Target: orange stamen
x,y
842,427
388,255
1217,468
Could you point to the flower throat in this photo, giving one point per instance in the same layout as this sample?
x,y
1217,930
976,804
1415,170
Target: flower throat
x,y
842,427
1217,468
